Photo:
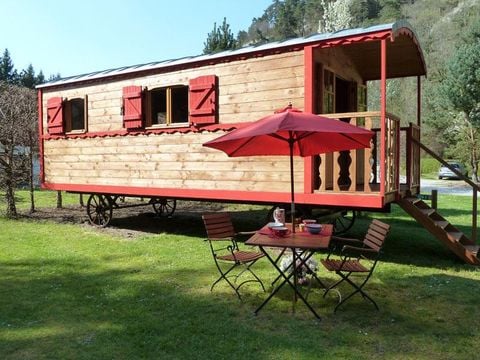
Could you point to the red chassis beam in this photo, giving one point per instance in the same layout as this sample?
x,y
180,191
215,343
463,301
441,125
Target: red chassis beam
x,y
375,201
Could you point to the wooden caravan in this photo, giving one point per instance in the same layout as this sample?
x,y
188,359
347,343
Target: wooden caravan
x,y
139,130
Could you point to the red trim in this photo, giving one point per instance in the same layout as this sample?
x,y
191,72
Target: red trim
x,y
355,39
166,130
309,97
383,110
40,134
343,200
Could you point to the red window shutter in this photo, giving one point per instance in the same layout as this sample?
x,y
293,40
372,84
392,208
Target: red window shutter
x,y
203,99
132,107
55,116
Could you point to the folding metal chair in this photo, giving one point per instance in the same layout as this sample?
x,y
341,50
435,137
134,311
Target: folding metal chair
x,y
221,237
357,257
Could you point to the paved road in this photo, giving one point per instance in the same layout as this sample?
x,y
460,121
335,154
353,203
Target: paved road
x,y
453,187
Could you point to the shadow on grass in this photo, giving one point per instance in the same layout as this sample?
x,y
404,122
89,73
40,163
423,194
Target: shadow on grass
x,y
408,242
186,222
60,309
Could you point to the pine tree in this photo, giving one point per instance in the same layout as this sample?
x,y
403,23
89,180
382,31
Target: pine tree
x,y
28,78
220,39
40,78
7,70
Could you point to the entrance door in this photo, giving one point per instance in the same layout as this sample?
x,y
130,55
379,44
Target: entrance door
x,y
334,95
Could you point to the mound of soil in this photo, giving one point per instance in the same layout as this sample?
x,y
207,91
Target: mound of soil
x,y
131,222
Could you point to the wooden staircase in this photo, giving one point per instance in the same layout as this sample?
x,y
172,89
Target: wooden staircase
x,y
439,227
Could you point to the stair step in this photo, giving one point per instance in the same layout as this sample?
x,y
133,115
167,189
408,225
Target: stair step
x,y
473,249
455,235
413,200
427,212
442,224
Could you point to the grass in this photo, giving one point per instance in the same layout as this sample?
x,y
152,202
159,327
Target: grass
x,y
73,292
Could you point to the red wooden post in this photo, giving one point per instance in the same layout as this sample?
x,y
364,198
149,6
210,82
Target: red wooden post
x,y
383,110
397,156
409,152
309,106
40,135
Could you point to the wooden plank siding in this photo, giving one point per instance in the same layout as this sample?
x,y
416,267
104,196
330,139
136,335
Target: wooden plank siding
x,y
248,90
164,161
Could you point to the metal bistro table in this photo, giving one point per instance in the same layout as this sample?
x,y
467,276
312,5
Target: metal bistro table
x,y
302,246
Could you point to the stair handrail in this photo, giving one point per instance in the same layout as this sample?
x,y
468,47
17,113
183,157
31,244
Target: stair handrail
x,y
460,176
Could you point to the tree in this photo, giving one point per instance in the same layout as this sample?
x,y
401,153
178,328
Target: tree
x,y
290,18
40,78
54,77
7,69
461,91
220,39
18,118
28,78
336,16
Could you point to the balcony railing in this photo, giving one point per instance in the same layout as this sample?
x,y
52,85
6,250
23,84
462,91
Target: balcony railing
x,y
373,170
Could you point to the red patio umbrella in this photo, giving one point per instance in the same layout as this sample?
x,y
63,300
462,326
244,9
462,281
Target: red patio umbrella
x,y
292,132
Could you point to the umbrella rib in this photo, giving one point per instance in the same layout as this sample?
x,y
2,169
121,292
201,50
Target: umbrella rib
x,y
276,136
353,139
243,144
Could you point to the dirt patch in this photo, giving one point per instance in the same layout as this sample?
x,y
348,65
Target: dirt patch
x,y
132,222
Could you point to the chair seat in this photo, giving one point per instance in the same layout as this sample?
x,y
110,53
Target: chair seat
x,y
349,265
242,256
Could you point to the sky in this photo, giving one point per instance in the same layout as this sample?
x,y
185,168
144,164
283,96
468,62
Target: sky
x,y
77,37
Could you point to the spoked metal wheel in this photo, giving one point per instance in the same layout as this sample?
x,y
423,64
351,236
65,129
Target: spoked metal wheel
x,y
344,222
164,207
99,209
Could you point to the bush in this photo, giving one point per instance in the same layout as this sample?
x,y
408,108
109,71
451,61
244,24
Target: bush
x,y
429,167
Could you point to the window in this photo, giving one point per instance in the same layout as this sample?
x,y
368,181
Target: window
x,y
195,104
362,98
66,115
75,112
167,106
328,92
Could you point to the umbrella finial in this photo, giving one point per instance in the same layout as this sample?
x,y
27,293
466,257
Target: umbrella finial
x,y
287,108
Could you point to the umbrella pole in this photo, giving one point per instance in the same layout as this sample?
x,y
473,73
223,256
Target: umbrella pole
x,y
292,185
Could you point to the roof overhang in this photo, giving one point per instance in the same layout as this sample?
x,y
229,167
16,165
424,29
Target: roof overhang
x,y
404,54
362,45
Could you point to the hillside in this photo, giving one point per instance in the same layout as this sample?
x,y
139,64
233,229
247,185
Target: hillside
x,y
439,25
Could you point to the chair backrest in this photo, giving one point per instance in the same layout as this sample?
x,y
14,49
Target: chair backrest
x,y
376,234
218,226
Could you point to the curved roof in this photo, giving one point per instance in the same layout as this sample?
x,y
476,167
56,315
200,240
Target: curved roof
x,y
404,55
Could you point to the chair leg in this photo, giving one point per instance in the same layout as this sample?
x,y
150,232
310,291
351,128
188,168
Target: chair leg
x,y
358,289
255,275
223,275
344,277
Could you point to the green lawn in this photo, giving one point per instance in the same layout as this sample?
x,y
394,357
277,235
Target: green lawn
x,y
74,292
